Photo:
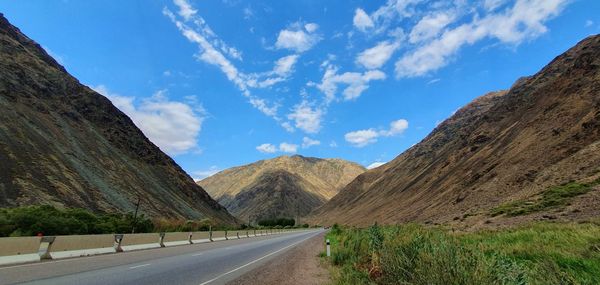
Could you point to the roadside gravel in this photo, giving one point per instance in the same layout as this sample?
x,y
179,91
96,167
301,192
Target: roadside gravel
x,y
299,266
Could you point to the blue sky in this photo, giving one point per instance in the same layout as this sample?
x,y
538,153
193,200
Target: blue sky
x,y
221,83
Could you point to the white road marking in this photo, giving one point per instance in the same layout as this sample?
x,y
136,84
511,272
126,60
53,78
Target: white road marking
x,y
138,266
198,254
254,261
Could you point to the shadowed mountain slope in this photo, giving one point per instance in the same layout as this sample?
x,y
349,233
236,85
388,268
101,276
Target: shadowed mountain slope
x,y
499,160
283,187
63,144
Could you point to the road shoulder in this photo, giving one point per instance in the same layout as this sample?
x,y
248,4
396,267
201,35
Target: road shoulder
x,y
299,265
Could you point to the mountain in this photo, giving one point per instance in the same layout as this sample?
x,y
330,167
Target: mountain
x,y
63,144
528,153
283,187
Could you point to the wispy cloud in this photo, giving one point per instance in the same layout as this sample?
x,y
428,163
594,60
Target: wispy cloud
x,y
298,37
356,82
283,147
363,138
308,142
375,164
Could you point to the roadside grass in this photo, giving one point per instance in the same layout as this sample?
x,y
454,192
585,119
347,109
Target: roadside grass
x,y
553,197
538,253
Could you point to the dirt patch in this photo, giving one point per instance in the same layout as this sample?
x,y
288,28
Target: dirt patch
x,y
300,266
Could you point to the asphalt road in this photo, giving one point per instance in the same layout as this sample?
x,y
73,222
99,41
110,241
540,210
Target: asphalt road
x,y
208,263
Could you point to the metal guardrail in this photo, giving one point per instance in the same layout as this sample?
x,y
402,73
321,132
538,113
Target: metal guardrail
x,y
15,250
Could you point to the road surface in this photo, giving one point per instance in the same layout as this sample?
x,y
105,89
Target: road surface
x,y
207,263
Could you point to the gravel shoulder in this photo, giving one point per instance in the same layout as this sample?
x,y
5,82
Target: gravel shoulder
x,y
299,265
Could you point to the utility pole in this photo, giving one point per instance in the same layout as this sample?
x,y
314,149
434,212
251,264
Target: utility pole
x,y
137,206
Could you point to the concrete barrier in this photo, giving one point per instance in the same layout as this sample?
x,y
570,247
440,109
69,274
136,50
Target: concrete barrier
x,y
218,235
140,241
178,238
15,250
200,237
81,245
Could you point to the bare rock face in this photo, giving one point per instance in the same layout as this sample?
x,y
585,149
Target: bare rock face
x,y
503,147
283,187
63,144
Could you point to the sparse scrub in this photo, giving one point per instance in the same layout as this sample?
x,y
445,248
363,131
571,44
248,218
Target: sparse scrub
x,y
553,197
541,253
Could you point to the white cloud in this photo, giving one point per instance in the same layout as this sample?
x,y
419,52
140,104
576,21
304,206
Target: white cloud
x,y
375,164
523,21
282,70
288,147
362,138
211,55
308,142
589,23
298,38
201,174
185,9
267,148
248,13
283,147
307,117
284,65
491,5
173,126
355,82
311,27
430,26
378,55
361,20
333,144
379,21
397,127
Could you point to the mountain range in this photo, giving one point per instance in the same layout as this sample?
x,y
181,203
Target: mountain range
x,y
282,187
63,144
531,152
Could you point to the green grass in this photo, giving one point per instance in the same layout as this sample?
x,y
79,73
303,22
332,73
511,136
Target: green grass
x,y
539,253
553,197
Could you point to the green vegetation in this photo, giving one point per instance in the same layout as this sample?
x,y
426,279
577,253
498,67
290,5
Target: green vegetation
x,y
554,197
540,253
47,220
277,222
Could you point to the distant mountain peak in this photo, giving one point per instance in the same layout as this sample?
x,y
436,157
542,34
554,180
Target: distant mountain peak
x,y
285,186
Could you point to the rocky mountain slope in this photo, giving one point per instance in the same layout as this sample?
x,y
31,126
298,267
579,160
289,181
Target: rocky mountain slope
x,y
283,187
529,153
63,144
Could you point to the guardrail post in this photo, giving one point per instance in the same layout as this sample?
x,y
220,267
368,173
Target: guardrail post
x,y
328,249
118,241
210,233
226,235
238,234
247,234
45,247
190,238
161,238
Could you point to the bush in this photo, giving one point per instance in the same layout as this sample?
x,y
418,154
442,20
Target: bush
x,y
540,253
48,220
